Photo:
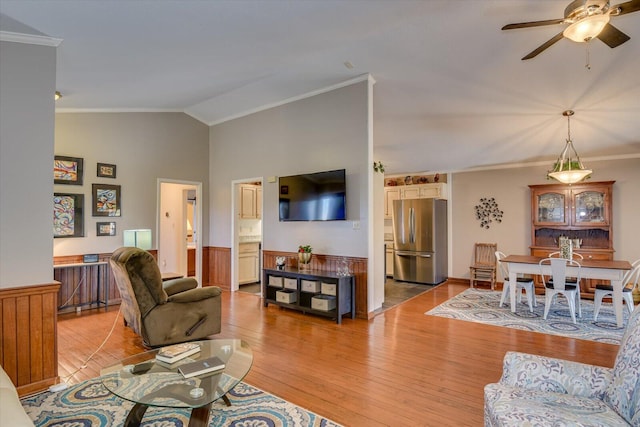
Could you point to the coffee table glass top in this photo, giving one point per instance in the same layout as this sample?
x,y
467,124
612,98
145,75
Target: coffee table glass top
x,y
142,379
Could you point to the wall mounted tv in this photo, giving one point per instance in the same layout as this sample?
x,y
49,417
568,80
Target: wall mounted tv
x,y
320,196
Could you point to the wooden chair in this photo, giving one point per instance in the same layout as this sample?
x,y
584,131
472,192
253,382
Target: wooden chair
x,y
483,268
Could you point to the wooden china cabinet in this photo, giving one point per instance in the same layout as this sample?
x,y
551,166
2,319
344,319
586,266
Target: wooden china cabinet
x,y
580,211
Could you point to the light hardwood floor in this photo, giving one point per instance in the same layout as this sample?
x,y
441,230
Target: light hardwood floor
x,y
401,368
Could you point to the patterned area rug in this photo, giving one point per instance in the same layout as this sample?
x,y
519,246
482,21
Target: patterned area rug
x,y
90,404
483,306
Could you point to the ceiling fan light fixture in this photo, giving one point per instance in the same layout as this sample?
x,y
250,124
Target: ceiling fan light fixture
x,y
569,169
586,28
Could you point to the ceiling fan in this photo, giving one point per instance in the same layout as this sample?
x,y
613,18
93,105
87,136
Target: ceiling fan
x,y
587,19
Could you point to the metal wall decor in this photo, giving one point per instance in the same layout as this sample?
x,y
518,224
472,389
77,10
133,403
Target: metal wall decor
x,y
487,212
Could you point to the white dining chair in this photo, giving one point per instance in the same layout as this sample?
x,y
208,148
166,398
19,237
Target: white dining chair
x,y
575,256
602,291
560,286
522,284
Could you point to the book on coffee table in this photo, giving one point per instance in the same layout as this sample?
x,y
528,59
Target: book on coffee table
x,y
201,367
173,353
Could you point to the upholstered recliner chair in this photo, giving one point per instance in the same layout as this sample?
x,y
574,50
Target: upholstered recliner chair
x,y
542,391
160,312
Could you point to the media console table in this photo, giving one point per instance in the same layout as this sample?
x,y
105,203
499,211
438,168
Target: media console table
x,y
100,284
311,291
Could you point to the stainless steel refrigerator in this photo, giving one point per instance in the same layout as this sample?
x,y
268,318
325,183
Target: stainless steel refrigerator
x,y
420,240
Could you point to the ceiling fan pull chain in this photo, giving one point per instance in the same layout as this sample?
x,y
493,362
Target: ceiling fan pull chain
x,y
588,59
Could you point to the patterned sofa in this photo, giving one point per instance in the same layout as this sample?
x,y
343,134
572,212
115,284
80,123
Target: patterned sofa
x,y
542,391
11,412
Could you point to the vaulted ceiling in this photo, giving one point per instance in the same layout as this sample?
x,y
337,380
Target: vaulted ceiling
x,y
451,91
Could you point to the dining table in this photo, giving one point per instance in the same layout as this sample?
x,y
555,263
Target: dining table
x,y
612,270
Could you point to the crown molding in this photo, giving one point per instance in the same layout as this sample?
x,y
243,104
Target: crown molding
x,y
8,36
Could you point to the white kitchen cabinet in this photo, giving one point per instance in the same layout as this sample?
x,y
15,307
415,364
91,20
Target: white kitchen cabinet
x,y
248,263
425,191
436,190
390,194
389,259
259,202
250,201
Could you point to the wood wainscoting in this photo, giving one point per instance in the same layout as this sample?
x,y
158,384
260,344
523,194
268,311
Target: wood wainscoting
x,y
219,267
358,267
28,333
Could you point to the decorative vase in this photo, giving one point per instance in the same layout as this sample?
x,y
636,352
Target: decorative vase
x,y
304,257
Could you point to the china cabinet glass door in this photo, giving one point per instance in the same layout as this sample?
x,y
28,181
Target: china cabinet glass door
x,y
551,208
590,208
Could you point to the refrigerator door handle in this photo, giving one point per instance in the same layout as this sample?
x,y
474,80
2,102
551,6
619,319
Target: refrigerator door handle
x,y
412,225
424,256
401,253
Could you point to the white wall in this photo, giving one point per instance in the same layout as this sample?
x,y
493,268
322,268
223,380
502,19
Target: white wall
x,y
510,189
27,84
144,147
324,132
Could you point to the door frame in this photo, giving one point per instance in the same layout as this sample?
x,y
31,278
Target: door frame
x,y
198,187
235,225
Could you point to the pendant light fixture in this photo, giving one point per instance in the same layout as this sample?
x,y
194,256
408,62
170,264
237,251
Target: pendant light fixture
x,y
569,169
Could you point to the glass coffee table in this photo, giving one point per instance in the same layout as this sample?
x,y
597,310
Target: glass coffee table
x,y
147,382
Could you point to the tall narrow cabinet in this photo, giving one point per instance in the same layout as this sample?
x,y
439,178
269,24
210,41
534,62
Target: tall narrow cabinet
x,y
580,211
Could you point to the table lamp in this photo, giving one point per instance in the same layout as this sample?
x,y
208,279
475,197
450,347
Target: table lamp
x,y
140,238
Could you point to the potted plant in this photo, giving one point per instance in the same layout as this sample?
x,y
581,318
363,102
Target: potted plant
x,y
304,254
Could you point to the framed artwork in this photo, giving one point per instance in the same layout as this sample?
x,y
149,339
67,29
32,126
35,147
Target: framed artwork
x,y
105,228
106,170
67,170
284,189
68,216
106,200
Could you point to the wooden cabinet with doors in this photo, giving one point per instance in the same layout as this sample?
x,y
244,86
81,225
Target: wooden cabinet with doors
x,y
424,191
390,194
248,263
417,191
582,212
250,201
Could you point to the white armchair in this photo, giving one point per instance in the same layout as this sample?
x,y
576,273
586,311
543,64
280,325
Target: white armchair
x,y
542,391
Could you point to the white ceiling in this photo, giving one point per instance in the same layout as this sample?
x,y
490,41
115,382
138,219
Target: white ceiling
x,y
451,91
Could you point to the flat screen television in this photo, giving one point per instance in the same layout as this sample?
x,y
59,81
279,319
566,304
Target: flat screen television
x,y
320,196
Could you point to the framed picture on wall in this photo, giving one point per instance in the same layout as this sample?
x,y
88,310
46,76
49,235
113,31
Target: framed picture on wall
x,y
106,200
106,170
105,228
68,215
67,170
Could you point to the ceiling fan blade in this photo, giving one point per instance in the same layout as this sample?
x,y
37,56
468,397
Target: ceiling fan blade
x,y
534,24
627,7
612,37
544,46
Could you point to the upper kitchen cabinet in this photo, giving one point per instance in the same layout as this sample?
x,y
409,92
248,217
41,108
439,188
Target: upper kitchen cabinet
x,y
579,211
424,191
437,190
390,194
250,201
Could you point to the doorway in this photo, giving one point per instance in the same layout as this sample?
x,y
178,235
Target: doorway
x,y
246,231
178,227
